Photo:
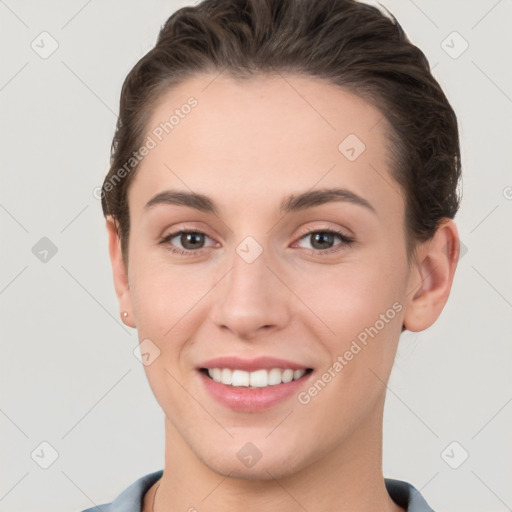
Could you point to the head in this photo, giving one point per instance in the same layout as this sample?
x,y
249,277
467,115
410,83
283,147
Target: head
x,y
315,160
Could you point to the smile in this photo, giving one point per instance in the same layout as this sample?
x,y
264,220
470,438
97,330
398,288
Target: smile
x,y
253,385
255,379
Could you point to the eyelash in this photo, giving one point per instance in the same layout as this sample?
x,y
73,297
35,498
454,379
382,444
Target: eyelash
x,y
346,241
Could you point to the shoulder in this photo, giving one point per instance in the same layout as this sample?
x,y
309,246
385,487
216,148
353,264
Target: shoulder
x,y
407,496
130,500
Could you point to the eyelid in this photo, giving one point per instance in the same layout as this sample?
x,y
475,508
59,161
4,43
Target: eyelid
x,y
320,229
345,234
185,228
342,230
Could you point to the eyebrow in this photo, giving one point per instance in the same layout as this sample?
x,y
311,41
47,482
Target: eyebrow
x,y
318,197
291,203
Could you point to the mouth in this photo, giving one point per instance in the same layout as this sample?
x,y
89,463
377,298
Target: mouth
x,y
254,385
261,378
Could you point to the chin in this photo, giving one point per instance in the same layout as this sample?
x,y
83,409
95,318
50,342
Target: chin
x,y
249,463
260,472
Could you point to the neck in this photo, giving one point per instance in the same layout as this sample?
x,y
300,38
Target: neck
x,y
348,478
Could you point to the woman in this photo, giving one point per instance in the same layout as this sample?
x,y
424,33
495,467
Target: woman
x,y
279,208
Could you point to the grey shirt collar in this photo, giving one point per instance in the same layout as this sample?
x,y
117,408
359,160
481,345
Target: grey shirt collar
x,y
130,500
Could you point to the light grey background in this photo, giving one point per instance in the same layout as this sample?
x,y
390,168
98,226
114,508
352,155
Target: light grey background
x,y
68,374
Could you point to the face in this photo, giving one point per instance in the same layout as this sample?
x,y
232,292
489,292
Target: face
x,y
276,279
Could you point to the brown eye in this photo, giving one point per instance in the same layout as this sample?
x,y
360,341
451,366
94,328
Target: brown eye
x,y
183,242
324,240
191,241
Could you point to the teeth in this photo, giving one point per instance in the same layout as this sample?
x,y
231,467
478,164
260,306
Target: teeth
x,y
240,378
297,374
287,375
274,377
256,379
225,375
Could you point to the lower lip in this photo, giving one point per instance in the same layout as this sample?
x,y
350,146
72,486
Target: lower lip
x,y
253,400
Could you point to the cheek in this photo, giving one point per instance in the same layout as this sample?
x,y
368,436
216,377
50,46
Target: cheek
x,y
349,298
363,310
167,302
360,305
164,295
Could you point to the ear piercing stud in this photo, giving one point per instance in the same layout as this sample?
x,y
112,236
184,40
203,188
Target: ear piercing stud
x,y
125,314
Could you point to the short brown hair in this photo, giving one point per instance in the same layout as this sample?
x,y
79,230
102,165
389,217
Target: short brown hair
x,y
347,43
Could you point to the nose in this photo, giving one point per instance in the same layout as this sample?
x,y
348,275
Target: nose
x,y
251,300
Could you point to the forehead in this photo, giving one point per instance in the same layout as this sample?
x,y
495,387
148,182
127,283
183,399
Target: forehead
x,y
236,112
267,134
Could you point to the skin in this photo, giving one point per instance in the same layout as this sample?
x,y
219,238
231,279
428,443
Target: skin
x,y
248,145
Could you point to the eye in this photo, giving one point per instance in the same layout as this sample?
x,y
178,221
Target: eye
x,y
321,241
190,240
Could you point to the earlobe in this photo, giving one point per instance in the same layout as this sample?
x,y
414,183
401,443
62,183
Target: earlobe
x,y
431,277
119,272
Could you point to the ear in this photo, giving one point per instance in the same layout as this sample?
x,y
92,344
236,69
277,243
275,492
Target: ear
x,y
431,277
120,274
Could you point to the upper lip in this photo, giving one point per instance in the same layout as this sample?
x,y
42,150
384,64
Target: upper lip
x,y
249,365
